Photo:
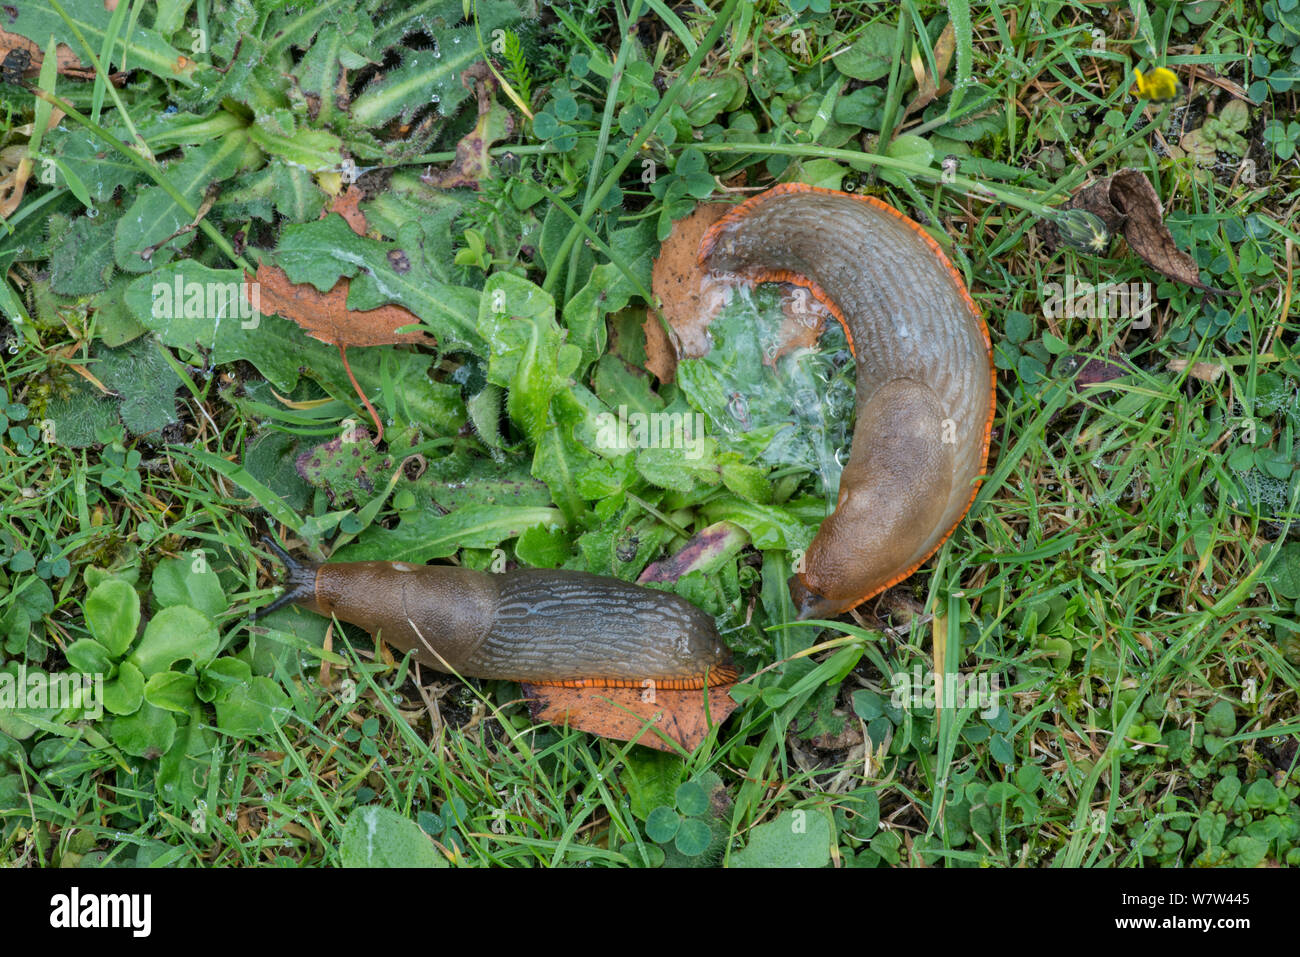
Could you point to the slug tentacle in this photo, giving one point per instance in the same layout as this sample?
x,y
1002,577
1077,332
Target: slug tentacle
x,y
299,580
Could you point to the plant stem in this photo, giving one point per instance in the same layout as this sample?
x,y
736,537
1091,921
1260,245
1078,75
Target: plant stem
x,y
972,188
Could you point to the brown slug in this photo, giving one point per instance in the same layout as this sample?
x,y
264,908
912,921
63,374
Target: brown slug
x,y
533,625
925,378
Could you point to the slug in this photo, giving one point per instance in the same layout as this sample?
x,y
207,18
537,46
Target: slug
x,y
537,626
925,378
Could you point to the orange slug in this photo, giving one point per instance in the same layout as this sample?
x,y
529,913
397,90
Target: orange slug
x,y
925,378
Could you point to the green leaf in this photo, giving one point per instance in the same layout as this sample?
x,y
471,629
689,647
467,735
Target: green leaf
x,y
795,839
651,780
82,261
543,547
145,48
517,320
112,612
176,581
220,678
125,693
1221,719
706,97
691,799
146,734
171,691
662,824
693,837
309,149
426,536
422,77
176,633
322,251
769,526
145,382
183,771
377,837
608,289
89,657
1283,575
252,707
277,347
81,416
102,170
872,54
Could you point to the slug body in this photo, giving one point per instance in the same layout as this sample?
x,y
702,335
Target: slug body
x,y
925,386
540,626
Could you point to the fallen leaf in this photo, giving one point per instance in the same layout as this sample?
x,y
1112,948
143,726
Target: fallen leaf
x,y
1205,371
621,714
1095,371
68,64
14,185
348,205
326,316
1127,203
930,86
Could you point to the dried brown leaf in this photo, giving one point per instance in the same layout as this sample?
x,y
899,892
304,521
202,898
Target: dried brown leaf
x,y
348,205
622,714
473,160
1127,203
326,316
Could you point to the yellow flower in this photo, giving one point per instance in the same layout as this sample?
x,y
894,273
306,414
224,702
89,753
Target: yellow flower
x,y
1161,85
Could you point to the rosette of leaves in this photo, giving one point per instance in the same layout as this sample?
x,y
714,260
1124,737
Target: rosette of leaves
x,y
1049,626
1219,134
157,684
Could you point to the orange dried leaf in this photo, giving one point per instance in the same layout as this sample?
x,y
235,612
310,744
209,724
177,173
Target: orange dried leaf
x,y
348,206
326,316
622,714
